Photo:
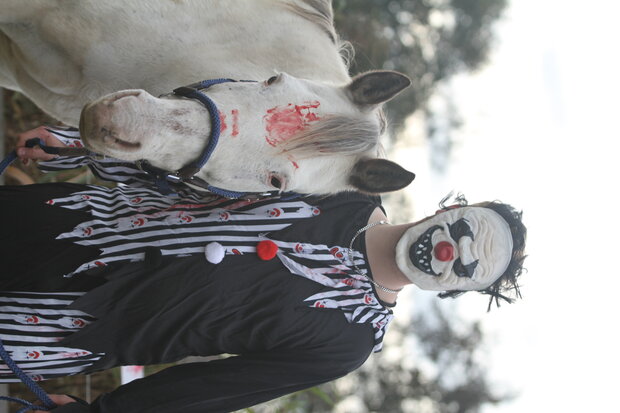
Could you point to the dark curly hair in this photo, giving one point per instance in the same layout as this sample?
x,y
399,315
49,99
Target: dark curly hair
x,y
508,281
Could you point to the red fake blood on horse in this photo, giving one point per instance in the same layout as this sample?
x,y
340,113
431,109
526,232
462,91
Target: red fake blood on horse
x,y
282,123
223,125
235,122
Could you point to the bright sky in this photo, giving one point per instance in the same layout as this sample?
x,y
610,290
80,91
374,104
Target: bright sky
x,y
541,133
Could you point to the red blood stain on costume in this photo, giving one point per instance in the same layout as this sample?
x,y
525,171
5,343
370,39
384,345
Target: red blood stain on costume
x,y
138,222
348,281
74,354
266,250
282,123
186,219
33,319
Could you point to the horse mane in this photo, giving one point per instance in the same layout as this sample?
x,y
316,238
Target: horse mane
x,y
338,134
321,13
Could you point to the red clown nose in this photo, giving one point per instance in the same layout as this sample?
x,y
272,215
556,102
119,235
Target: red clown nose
x,y
444,251
266,250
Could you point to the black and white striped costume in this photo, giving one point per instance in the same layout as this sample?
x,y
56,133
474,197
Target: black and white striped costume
x,y
31,325
133,271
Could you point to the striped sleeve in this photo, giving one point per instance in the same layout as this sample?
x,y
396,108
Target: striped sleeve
x,y
32,324
107,168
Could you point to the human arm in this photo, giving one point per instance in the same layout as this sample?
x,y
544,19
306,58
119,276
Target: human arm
x,y
107,169
228,384
103,167
52,137
45,134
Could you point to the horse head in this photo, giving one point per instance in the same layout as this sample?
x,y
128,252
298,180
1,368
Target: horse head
x,y
283,133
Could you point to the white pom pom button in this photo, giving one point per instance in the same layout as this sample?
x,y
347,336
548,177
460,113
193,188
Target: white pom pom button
x,y
214,252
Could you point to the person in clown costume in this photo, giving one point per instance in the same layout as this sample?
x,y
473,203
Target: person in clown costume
x,y
300,291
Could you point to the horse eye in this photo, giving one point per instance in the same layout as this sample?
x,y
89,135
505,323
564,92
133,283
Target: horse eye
x,y
275,182
272,79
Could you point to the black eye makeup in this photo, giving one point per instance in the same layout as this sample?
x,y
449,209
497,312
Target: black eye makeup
x,y
464,270
460,229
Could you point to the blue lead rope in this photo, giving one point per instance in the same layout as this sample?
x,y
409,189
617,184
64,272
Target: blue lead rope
x,y
48,404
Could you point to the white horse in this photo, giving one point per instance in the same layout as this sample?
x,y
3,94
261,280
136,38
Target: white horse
x,y
306,127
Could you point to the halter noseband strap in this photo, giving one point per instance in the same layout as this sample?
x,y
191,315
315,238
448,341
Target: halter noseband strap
x,y
193,91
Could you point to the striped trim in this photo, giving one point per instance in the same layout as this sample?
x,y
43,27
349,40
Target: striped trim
x,y
348,291
31,324
128,221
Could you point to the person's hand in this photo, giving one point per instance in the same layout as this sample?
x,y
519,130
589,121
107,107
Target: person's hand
x,y
59,399
25,154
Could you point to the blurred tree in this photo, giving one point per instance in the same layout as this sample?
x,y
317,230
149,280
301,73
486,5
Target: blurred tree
x,y
429,40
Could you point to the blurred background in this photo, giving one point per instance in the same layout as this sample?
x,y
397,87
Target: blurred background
x,y
511,100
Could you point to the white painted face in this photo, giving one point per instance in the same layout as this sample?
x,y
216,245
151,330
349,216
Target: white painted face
x,y
257,119
460,249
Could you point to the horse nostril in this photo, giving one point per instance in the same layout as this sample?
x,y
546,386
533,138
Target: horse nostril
x,y
444,251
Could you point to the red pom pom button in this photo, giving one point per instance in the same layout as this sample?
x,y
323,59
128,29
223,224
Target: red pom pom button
x,y
444,251
266,250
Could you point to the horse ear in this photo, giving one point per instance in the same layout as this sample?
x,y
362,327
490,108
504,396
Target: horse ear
x,y
373,88
379,175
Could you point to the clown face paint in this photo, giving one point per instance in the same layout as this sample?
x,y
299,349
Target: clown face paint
x,y
460,249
